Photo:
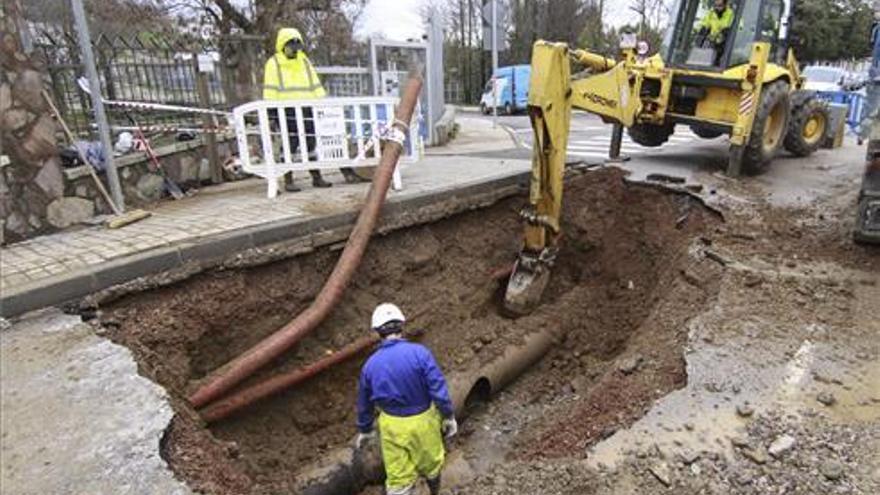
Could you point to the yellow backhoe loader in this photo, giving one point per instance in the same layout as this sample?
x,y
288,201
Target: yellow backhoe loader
x,y
733,75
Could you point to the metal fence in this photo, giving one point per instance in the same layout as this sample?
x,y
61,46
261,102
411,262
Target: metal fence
x,y
454,92
155,71
148,69
346,81
139,69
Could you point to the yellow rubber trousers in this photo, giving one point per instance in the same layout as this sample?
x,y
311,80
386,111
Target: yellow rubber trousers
x,y
411,447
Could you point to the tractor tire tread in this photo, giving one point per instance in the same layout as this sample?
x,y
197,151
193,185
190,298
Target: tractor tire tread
x,y
804,104
755,160
650,135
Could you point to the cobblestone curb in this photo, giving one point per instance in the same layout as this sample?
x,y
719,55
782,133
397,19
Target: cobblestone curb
x,y
213,250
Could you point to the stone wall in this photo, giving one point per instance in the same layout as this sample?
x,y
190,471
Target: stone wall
x,y
30,169
185,163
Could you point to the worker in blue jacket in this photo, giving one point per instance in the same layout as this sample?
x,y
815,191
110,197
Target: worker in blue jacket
x,y
403,382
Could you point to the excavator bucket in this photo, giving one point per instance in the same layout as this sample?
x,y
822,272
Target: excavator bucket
x,y
525,287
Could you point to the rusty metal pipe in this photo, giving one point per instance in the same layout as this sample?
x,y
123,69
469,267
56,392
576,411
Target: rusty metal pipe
x,y
233,372
237,401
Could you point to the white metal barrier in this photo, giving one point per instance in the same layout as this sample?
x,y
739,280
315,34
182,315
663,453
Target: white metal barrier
x,y
301,135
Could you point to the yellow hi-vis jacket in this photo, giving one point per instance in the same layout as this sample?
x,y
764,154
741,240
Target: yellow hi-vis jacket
x,y
716,24
290,79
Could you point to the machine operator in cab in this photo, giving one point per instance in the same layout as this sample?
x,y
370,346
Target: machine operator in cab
x,y
715,27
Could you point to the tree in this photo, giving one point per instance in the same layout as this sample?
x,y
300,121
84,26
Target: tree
x,y
327,25
111,18
831,29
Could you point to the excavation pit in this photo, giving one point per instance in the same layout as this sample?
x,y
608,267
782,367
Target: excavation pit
x,y
628,278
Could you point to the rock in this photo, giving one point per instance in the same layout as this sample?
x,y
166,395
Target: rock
x,y
150,187
689,456
661,471
744,478
823,378
831,470
40,142
781,445
5,98
713,387
746,236
753,280
826,398
757,455
745,410
64,212
35,222
27,89
50,180
189,169
17,224
17,119
204,170
233,450
629,365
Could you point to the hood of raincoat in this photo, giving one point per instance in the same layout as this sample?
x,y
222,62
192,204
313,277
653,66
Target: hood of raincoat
x,y
285,35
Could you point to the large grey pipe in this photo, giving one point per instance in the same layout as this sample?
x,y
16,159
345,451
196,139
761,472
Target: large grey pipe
x,y
348,471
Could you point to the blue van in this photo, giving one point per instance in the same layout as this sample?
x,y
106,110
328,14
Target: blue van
x,y
511,90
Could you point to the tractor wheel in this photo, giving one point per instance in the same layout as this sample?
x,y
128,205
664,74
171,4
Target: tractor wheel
x,y
809,124
706,132
651,135
508,109
484,109
768,131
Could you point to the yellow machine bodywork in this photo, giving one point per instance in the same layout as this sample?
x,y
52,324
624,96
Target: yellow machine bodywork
x,y
615,94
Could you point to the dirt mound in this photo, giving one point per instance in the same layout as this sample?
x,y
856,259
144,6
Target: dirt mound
x,y
624,248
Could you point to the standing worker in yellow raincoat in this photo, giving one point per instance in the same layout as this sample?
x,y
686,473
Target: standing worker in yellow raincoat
x,y
402,380
289,75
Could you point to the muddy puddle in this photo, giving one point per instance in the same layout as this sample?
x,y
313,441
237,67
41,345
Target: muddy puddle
x,y
626,283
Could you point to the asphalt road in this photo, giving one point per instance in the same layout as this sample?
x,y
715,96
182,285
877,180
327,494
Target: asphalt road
x,y
590,138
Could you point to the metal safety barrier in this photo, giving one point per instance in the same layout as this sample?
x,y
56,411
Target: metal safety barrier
x,y
855,103
277,137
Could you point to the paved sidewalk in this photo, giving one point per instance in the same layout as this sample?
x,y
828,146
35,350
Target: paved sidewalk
x,y
222,220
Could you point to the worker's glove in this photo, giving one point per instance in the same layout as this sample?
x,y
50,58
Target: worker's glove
x,y
364,438
449,427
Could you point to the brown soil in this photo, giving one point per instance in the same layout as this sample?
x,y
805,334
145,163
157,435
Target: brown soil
x,y
623,272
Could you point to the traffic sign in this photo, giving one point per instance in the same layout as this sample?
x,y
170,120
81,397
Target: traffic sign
x,y
501,14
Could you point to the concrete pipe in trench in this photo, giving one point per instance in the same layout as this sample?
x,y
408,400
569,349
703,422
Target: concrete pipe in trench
x,y
237,370
348,471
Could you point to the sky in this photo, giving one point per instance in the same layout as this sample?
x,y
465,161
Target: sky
x,y
400,19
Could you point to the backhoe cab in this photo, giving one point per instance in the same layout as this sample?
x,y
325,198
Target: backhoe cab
x,y
730,75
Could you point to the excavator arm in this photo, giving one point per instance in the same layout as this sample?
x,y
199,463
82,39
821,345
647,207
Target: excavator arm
x,y
552,95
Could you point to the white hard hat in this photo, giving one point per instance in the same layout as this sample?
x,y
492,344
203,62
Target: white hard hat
x,y
385,313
